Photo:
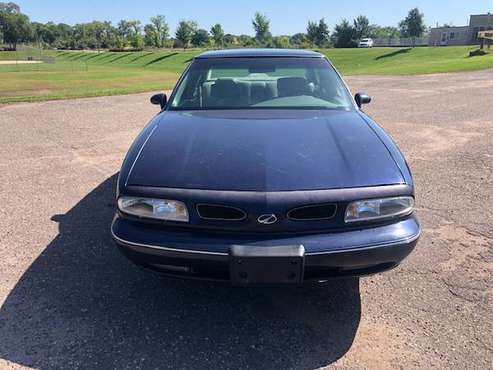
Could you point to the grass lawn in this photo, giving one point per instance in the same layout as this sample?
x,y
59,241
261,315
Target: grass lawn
x,y
63,80
407,61
80,74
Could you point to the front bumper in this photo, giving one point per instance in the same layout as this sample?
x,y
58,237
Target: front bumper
x,y
205,255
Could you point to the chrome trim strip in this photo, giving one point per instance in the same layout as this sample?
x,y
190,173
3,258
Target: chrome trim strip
x,y
123,241
367,247
357,249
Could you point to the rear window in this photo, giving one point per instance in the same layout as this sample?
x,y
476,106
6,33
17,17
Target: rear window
x,y
260,83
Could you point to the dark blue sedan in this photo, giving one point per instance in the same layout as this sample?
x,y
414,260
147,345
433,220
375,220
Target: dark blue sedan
x,y
262,169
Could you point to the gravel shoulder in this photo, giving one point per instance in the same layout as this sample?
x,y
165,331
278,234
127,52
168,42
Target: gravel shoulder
x,y
68,299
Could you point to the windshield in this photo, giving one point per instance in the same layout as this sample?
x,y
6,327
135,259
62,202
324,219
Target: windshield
x,y
260,83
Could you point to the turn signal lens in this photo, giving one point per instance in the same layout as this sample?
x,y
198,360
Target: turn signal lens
x,y
375,209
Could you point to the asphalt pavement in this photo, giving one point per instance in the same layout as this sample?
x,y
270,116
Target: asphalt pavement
x,y
69,300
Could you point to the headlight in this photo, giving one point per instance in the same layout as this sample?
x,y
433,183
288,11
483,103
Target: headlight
x,y
161,209
374,209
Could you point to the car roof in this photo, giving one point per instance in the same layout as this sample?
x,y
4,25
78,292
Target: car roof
x,y
259,53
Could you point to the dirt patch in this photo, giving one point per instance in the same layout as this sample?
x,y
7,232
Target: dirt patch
x,y
372,343
464,246
8,62
435,139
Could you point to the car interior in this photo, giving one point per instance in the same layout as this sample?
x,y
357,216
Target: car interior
x,y
233,92
253,88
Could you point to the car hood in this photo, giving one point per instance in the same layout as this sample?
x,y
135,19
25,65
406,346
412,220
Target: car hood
x,y
263,150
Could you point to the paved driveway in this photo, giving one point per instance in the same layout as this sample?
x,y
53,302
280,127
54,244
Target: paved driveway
x,y
68,299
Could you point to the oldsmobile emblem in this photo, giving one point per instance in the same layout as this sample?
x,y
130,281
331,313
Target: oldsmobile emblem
x,y
267,219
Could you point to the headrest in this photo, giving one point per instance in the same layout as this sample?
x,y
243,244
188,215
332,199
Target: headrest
x,y
292,86
225,88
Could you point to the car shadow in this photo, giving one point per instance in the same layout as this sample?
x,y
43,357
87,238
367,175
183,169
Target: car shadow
x,y
81,304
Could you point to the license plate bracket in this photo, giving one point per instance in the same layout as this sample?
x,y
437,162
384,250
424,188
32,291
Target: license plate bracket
x,y
255,265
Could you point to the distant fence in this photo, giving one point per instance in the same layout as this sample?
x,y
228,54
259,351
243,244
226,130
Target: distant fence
x,y
405,42
25,52
29,58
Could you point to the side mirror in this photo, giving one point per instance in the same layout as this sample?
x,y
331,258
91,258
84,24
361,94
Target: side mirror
x,y
159,99
362,98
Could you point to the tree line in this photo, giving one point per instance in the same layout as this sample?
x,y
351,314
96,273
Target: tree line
x,y
15,28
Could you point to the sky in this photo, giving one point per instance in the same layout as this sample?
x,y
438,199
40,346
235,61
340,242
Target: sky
x,y
287,16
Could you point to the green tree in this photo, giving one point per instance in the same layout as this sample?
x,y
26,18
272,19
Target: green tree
x,y
96,34
7,8
217,35
386,33
161,30
124,29
200,38
281,42
245,40
413,25
43,33
128,32
137,41
135,27
261,25
312,32
15,28
344,35
109,35
79,37
318,33
298,39
120,41
323,33
185,31
361,26
64,36
230,39
151,37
